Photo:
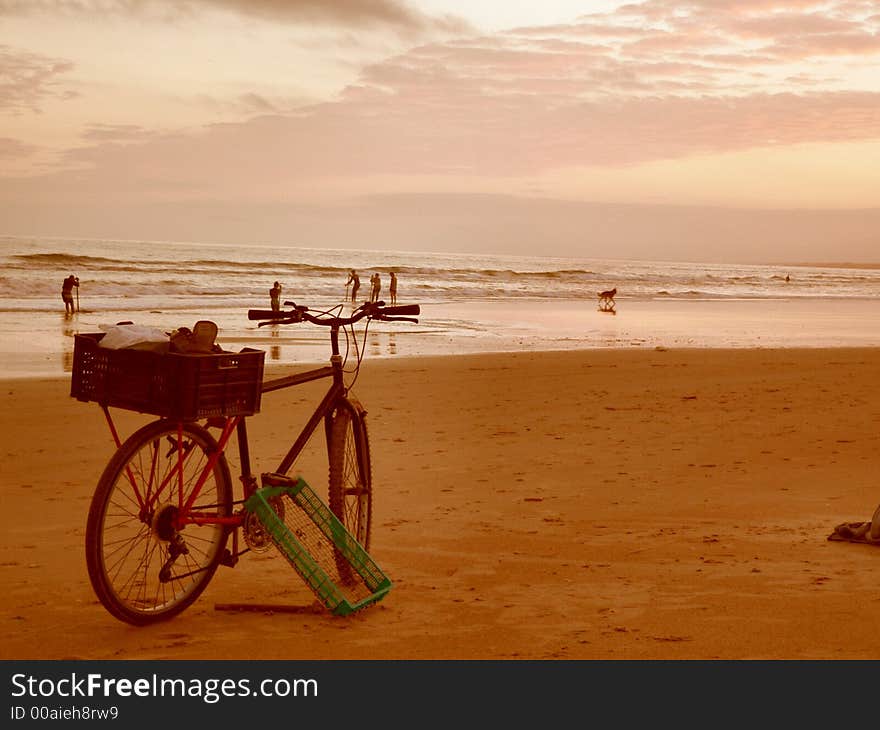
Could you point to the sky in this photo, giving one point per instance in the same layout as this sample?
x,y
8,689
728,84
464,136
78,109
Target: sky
x,y
716,130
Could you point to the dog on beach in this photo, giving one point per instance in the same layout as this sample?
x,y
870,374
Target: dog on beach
x,y
607,295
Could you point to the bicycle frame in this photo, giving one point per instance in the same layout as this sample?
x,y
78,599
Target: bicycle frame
x,y
165,507
185,515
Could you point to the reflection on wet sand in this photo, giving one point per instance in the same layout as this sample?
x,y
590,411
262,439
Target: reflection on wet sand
x,y
382,343
67,330
275,349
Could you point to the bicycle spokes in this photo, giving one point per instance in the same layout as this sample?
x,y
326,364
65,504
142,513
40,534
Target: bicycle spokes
x,y
353,485
159,467
350,489
146,561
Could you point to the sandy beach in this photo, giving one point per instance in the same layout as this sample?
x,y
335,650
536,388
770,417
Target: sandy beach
x,y
605,504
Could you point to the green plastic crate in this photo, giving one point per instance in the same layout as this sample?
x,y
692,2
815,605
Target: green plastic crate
x,y
333,564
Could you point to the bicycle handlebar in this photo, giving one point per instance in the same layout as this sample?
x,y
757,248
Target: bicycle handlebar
x,y
397,311
263,314
299,313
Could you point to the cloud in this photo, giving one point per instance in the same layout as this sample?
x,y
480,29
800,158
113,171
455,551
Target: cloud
x,y
27,79
392,14
116,133
14,149
278,156
790,23
652,81
828,44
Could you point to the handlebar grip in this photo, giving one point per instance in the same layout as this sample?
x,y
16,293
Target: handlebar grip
x,y
264,314
402,310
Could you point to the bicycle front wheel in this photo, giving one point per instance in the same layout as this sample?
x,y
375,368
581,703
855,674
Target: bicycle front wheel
x,y
141,566
350,493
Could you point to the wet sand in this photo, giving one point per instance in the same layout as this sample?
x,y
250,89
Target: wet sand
x,y
40,344
609,504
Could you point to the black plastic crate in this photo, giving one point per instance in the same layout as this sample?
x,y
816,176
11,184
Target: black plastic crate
x,y
171,385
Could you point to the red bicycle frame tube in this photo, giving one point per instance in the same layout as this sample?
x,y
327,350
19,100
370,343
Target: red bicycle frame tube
x,y
183,517
147,501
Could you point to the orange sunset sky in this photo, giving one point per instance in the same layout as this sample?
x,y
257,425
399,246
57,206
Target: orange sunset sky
x,y
724,130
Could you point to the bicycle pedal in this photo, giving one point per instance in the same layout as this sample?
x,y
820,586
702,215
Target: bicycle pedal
x,y
228,559
278,480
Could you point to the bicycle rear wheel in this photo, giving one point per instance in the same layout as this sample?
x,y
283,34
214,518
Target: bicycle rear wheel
x,y
141,568
350,492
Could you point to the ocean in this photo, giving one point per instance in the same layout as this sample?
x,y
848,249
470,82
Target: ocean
x,y
470,302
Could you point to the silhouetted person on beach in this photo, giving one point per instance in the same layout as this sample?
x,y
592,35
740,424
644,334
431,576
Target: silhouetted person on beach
x,y
67,293
376,287
275,297
392,288
355,282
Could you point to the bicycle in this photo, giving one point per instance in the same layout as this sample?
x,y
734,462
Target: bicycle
x,y
163,509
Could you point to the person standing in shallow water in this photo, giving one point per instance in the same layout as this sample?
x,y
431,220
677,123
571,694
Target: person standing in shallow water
x,y
275,297
376,288
355,282
392,288
67,293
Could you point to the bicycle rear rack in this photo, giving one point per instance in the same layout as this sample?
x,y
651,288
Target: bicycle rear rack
x,y
306,532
